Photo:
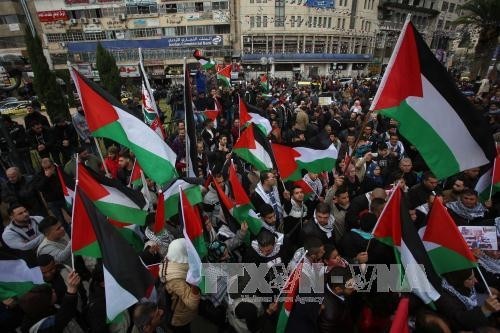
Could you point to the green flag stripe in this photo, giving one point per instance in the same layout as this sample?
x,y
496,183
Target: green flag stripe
x,y
445,260
172,202
93,250
122,213
157,168
422,135
13,289
200,246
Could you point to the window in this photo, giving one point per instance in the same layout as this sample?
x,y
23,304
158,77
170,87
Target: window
x,y
180,31
444,7
220,5
145,32
299,21
222,29
9,19
169,31
309,22
452,8
440,24
252,21
95,36
198,6
343,23
329,22
264,22
314,21
292,22
338,22
200,30
279,13
168,8
258,22
14,42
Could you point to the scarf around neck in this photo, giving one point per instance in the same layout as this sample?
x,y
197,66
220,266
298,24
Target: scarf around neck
x,y
467,213
328,228
470,302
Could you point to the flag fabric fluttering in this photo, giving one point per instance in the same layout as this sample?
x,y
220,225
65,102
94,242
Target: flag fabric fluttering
x,y
171,195
291,161
306,188
256,117
189,121
292,290
149,107
395,228
254,148
112,198
400,320
432,113
67,186
195,243
489,180
206,63
444,243
16,277
264,83
108,118
135,176
126,278
159,215
224,75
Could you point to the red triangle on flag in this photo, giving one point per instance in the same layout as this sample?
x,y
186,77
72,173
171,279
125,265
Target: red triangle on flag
x,y
160,214
285,160
191,218
226,71
388,227
244,116
239,193
246,139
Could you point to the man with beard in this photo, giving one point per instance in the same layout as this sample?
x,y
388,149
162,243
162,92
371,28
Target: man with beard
x,y
469,211
456,190
322,226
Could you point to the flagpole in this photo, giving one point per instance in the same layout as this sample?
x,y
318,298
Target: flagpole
x,y
130,179
146,83
102,158
289,276
484,281
493,173
394,189
185,117
73,212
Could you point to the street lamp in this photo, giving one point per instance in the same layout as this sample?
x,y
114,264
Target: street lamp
x,y
266,61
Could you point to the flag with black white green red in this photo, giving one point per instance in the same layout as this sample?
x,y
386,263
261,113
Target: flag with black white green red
x,y
291,291
444,243
112,198
432,113
264,83
255,116
195,243
292,160
206,63
126,278
395,228
224,76
149,107
67,185
83,238
306,188
191,189
108,118
254,148
135,176
488,183
16,277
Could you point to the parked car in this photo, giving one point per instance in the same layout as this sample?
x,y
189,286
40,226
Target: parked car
x,y
16,108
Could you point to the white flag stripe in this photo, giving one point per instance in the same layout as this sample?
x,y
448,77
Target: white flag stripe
x,y
118,298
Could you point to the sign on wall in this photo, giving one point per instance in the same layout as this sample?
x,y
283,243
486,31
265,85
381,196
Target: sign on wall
x,y
52,16
321,3
195,41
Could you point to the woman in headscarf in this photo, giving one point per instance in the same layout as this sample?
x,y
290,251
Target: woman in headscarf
x,y
185,297
459,302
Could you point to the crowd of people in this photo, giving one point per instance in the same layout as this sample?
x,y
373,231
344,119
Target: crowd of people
x,y
331,227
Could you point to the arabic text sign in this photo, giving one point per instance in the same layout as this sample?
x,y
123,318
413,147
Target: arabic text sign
x,y
321,3
195,41
52,15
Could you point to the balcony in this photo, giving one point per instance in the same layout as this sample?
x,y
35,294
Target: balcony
x,y
11,30
388,6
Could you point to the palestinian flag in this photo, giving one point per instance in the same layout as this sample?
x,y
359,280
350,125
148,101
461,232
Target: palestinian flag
x,y
135,176
224,75
254,148
171,196
291,161
195,243
126,279
83,238
444,243
16,277
159,215
240,206
291,291
255,117
190,127
489,182
112,198
149,108
433,114
213,114
306,188
264,83
206,63
108,118
68,186
395,228
400,320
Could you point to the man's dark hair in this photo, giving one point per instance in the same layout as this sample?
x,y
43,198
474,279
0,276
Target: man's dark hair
x,y
428,322
312,245
341,190
46,223
323,208
44,260
338,277
469,191
13,206
264,175
265,210
428,174
266,238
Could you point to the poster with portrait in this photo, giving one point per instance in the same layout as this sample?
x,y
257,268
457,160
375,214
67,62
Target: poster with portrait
x,y
480,237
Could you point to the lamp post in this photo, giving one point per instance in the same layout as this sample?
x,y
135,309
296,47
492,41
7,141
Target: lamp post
x,y
266,61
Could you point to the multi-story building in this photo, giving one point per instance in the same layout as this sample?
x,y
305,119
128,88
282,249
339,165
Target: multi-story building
x,y
165,30
307,38
12,27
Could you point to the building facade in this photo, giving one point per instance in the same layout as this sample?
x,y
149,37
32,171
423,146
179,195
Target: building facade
x,y
307,38
165,30
13,23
